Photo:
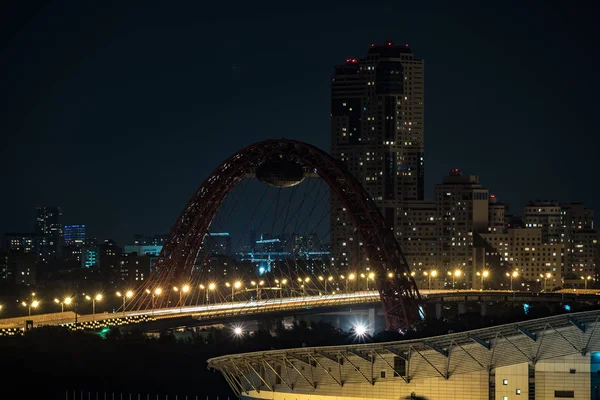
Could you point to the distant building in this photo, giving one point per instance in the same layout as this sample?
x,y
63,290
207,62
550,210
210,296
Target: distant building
x,y
545,215
581,247
497,218
49,224
418,238
154,240
74,234
5,273
150,250
21,267
90,254
134,268
523,250
28,243
461,209
377,131
219,244
110,255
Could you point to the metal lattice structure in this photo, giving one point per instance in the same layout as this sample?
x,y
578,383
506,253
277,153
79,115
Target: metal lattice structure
x,y
397,289
325,370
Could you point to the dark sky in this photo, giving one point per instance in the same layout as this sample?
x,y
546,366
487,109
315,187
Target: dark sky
x,y
117,113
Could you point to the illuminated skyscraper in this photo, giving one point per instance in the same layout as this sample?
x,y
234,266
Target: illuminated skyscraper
x,y
377,131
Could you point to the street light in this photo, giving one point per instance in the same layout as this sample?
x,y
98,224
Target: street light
x,y
430,275
34,304
97,297
546,276
457,273
484,275
371,276
512,275
128,294
155,293
586,279
67,301
283,283
184,289
211,286
351,277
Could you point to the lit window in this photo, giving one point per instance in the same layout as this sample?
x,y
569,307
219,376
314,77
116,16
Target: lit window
x,y
505,381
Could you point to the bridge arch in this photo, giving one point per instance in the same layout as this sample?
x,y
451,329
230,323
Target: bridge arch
x,y
398,293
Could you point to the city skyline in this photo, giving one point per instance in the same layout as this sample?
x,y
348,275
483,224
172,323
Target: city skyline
x,y
504,136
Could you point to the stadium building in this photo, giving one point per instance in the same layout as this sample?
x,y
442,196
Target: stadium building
x,y
548,358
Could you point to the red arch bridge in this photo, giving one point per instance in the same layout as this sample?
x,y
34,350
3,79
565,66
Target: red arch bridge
x,y
178,259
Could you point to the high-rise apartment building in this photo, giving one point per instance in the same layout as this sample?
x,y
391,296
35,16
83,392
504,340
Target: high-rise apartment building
x,y
462,209
580,240
545,215
526,253
377,132
418,236
496,215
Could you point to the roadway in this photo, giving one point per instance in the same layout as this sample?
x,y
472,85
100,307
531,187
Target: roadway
x,y
217,310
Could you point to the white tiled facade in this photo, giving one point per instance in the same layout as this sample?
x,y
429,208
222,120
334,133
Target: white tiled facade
x,y
568,373
555,357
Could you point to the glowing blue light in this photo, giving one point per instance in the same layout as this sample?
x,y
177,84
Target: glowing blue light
x,y
421,312
567,307
526,308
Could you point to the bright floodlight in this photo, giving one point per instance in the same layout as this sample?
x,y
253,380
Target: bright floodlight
x,y
434,273
98,297
371,276
360,330
35,303
185,289
237,330
515,274
129,293
67,300
237,285
486,274
212,286
351,277
158,291
283,282
390,275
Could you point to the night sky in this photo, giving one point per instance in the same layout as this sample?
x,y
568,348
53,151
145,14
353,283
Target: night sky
x,y
118,113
